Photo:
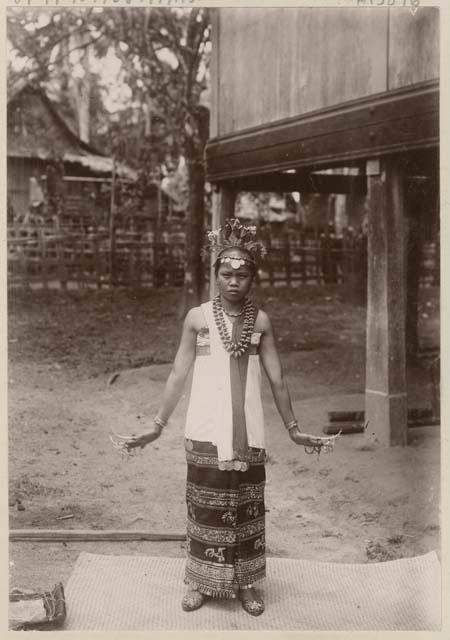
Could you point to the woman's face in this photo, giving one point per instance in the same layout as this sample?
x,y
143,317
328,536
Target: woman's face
x,y
234,284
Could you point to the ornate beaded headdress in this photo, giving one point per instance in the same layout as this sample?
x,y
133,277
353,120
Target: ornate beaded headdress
x,y
235,234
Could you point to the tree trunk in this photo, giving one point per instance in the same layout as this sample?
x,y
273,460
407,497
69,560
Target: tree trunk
x,y
196,135
81,87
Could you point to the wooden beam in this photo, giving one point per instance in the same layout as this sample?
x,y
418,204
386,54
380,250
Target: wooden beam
x,y
302,182
394,121
89,535
386,399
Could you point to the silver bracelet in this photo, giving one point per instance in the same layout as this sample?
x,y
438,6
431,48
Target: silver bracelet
x,y
159,422
291,425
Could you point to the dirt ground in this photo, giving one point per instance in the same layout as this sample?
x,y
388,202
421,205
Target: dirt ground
x,y
363,503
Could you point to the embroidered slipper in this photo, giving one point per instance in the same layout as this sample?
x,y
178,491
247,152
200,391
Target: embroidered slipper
x,y
251,603
192,600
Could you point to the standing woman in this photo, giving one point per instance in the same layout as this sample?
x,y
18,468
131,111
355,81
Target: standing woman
x,y
226,339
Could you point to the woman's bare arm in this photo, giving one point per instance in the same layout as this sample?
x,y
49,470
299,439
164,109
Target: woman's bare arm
x,y
272,366
181,366
175,382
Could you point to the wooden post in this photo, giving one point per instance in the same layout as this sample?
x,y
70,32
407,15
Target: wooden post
x,y
77,257
270,257
62,270
303,253
223,203
60,246
158,246
315,256
288,260
130,243
138,259
386,399
82,263
112,228
44,257
97,258
415,201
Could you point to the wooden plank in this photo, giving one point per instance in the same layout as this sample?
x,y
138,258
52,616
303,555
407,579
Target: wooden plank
x,y
343,428
89,535
346,428
337,148
89,179
346,416
416,414
303,182
401,120
372,110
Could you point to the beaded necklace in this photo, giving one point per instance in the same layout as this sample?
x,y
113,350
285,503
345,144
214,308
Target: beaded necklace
x,y
236,349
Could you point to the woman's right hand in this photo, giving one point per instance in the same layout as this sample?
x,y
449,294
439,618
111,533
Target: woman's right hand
x,y
144,439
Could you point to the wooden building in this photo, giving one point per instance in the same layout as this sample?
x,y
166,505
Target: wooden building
x,y
299,91
40,143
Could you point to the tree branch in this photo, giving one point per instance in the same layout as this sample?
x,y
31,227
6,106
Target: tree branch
x,y
66,36
80,47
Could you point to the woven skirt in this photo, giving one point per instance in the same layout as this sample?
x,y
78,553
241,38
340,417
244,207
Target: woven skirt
x,y
225,522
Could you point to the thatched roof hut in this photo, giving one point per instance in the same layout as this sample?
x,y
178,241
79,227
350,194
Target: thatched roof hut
x,y
38,136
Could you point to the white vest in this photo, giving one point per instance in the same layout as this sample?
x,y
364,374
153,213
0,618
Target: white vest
x,y
209,415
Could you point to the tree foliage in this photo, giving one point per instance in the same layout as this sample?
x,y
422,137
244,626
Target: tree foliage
x,y
164,59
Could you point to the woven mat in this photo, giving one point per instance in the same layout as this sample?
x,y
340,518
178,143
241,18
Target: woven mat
x,y
144,593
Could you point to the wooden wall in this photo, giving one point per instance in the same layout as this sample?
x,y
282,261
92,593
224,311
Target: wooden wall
x,y
19,172
413,47
274,63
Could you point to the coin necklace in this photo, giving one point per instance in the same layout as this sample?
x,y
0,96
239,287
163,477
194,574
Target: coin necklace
x,y
236,349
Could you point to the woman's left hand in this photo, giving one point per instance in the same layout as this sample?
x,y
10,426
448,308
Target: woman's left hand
x,y
303,438
309,440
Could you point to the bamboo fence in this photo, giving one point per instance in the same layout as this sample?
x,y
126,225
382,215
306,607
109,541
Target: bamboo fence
x,y
42,256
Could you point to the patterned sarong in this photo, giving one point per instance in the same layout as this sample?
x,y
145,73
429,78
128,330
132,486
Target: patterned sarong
x,y
225,522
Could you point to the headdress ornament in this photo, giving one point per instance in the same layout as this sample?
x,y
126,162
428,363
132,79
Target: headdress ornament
x,y
231,235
